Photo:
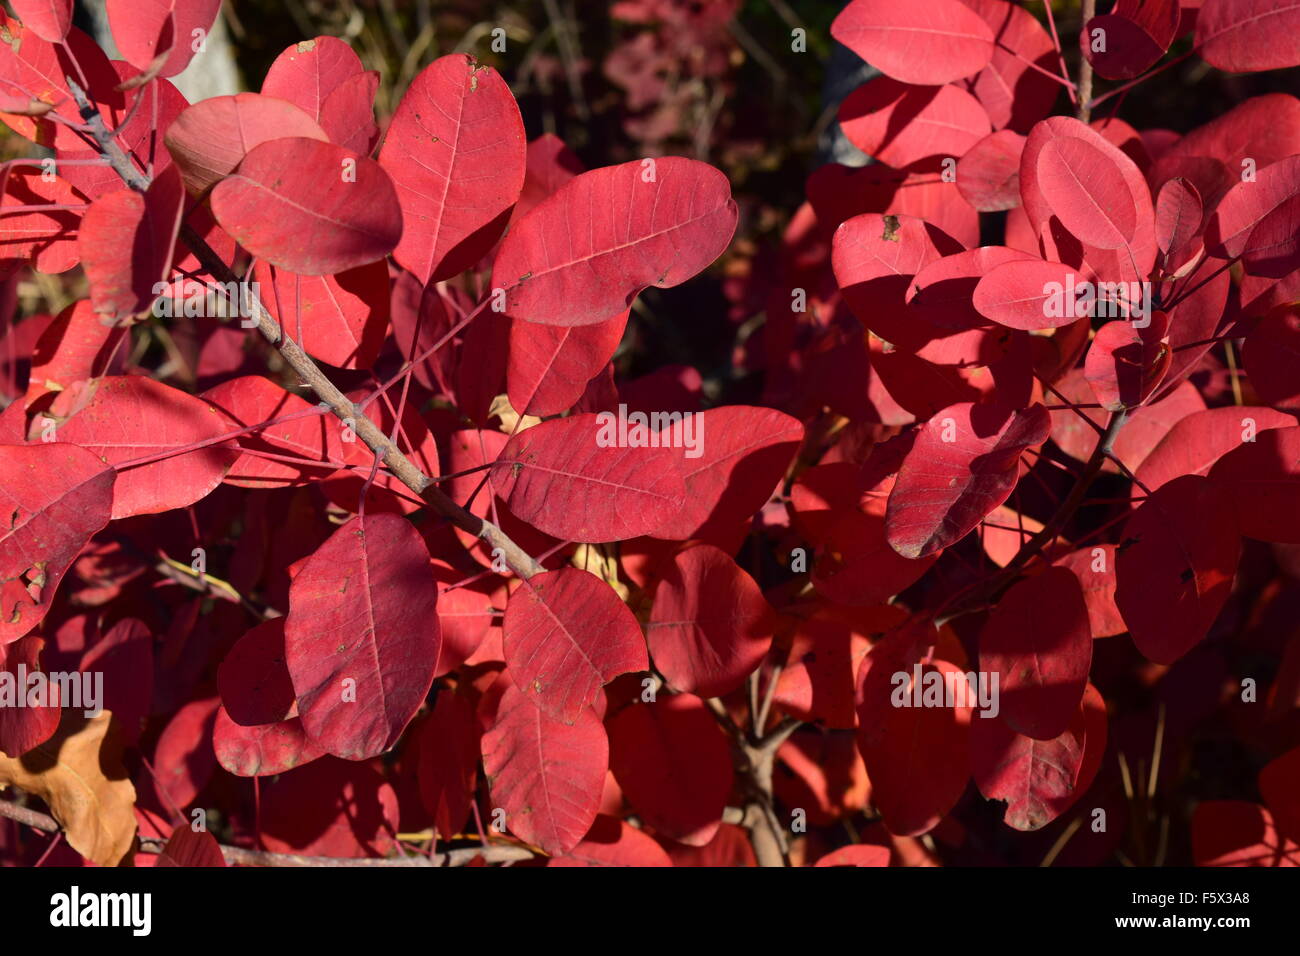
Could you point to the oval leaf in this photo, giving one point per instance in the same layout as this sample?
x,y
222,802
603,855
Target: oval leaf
x,y
566,634
588,250
547,775
456,151
309,207
711,626
673,764
362,637
1175,565
1038,646
928,45
136,425
571,478
963,465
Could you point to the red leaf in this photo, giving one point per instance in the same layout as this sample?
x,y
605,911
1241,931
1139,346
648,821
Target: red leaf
x,y
988,174
1029,294
1262,481
362,664
745,452
138,131
55,497
455,149
673,764
964,464
937,43
1271,355
858,854
550,165
1239,833
567,634
838,193
1141,432
447,761
613,842
340,319
551,365
47,239
1096,192
190,847
24,723
545,774
711,626
136,419
124,656
1126,363
183,760
625,228
127,243
262,750
210,139
856,564
1095,569
1279,785
1246,36
1039,779
468,615
329,808
875,258
1136,34
471,450
1179,215
561,479
48,19
1038,644
251,400
1086,190
254,679
1248,205
1199,440
1015,94
1175,565
348,113
917,757
76,346
1273,249
309,207
31,68
308,71
899,124
137,27
820,677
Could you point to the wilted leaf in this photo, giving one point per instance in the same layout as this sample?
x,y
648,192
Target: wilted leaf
x,y
79,774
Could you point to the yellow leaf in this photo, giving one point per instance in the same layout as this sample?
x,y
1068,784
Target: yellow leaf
x,y
79,774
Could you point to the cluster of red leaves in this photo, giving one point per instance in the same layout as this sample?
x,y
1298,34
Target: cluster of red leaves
x,y
375,667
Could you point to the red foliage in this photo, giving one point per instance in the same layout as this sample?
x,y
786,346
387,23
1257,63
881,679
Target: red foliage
x,y
986,512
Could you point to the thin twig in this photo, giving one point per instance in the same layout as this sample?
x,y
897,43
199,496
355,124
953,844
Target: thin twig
x,y
1085,66
240,856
